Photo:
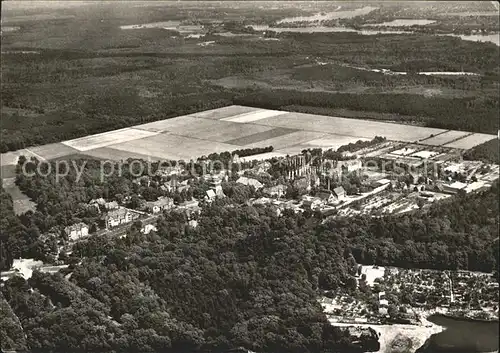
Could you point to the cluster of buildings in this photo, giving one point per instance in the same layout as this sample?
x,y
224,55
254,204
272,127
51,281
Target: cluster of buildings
x,y
402,295
318,186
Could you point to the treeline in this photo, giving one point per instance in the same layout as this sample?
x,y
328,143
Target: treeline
x,y
469,114
11,332
488,152
360,144
14,236
252,151
99,115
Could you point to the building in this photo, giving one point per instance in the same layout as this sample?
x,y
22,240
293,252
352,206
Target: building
x,y
219,192
275,191
350,165
381,182
310,202
148,228
214,181
163,203
339,192
76,231
173,185
190,207
454,188
165,172
96,203
250,182
99,201
326,196
113,205
210,195
477,186
120,216
189,204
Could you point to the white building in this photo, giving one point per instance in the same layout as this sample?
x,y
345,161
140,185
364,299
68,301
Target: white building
x,y
76,231
250,181
119,216
148,228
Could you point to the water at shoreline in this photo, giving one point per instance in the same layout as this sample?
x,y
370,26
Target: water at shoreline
x,y
491,38
462,335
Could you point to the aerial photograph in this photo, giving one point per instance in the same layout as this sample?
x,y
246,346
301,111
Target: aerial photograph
x,y
249,176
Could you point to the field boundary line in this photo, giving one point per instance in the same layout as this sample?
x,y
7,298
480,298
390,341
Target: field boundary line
x,y
458,138
430,137
35,154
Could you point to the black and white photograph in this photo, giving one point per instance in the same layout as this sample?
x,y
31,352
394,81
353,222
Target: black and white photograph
x,y
249,176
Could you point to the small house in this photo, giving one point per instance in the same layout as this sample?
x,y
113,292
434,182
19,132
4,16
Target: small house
x,y
250,181
148,228
275,191
339,192
99,201
312,203
326,196
119,216
76,231
210,195
113,205
163,203
219,192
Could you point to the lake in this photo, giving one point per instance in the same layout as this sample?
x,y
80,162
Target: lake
x,y
402,23
330,15
462,335
492,38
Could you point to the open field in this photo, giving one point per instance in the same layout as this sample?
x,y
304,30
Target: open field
x,y
53,150
216,130
168,146
288,140
107,138
167,124
194,135
254,116
444,138
260,136
113,154
471,141
225,112
350,127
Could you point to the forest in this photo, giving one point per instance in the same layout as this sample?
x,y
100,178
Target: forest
x,y
469,114
488,152
49,96
243,277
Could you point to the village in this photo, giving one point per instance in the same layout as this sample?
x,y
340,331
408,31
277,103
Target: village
x,y
373,178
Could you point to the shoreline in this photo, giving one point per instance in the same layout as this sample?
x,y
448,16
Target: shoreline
x,y
414,335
